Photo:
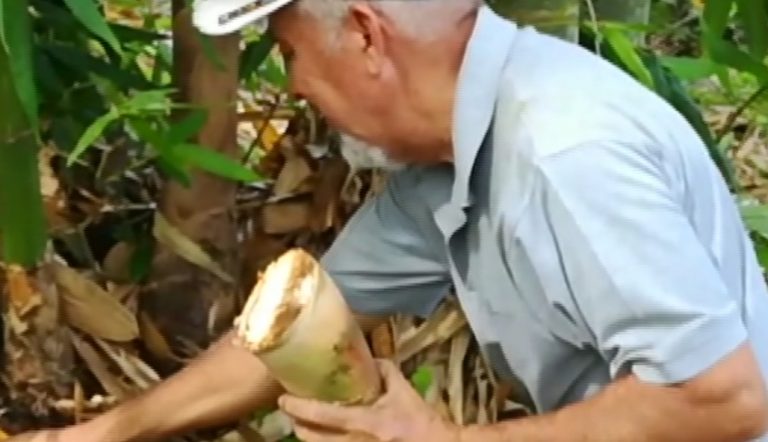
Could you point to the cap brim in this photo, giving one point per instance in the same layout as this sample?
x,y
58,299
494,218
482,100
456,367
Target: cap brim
x,y
220,17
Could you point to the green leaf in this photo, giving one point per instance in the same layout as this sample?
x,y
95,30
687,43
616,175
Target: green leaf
x,y
689,68
727,53
172,167
89,15
255,53
754,16
756,218
91,134
670,87
186,128
146,131
47,76
625,50
422,379
83,63
212,161
716,15
761,248
273,73
16,36
147,101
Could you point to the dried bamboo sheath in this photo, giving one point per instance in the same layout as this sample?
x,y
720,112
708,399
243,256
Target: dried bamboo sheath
x,y
297,322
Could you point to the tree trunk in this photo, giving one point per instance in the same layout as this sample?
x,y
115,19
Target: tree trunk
x,y
186,303
625,11
556,17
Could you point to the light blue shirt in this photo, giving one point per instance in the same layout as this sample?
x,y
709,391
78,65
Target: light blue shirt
x,y
583,226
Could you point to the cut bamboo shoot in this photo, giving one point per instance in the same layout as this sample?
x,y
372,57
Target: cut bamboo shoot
x,y
297,322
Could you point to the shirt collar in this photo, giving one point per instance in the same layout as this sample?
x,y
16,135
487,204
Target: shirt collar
x,y
478,81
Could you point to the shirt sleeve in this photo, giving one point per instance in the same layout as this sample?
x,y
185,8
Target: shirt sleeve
x,y
386,259
639,277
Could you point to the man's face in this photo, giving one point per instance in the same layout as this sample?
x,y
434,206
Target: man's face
x,y
341,75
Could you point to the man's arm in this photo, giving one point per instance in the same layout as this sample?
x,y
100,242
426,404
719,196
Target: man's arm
x,y
726,403
225,383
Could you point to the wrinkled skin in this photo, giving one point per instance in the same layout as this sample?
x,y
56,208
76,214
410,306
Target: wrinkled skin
x,y
367,79
400,415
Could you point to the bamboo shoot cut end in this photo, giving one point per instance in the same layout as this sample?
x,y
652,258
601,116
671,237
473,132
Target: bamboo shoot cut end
x,y
287,286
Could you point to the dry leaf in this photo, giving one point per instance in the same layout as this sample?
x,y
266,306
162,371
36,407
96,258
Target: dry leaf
x,y
153,339
459,347
444,323
326,196
134,368
22,295
286,216
180,244
79,402
482,396
116,265
295,172
100,368
90,308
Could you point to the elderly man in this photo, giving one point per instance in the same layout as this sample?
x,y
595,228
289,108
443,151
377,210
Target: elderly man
x,y
594,248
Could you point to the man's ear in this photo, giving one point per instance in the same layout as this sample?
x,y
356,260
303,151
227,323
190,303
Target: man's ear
x,y
367,31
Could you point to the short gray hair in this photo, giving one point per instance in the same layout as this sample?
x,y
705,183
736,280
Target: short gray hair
x,y
420,18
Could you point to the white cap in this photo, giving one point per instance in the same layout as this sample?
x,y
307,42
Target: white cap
x,y
219,17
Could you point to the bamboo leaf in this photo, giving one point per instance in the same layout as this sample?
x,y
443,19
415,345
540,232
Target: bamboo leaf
x,y
255,53
625,50
716,15
689,68
186,128
91,134
155,100
754,16
756,218
88,13
729,54
214,162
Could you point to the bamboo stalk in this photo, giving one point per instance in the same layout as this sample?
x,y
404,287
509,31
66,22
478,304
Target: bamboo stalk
x,y
297,322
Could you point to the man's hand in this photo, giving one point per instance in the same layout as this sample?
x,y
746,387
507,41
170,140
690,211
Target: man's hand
x,y
400,415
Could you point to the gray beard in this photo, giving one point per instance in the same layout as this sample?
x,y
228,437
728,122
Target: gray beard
x,y
361,155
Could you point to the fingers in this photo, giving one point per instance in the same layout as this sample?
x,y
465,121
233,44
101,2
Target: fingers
x,y
333,416
390,372
310,433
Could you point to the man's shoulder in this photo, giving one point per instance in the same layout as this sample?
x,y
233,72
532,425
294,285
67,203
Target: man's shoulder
x,y
554,95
